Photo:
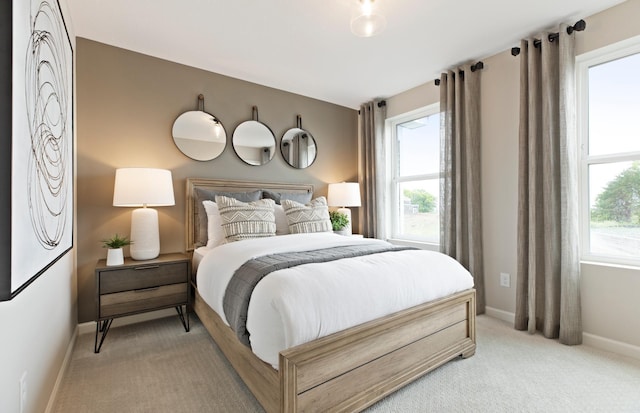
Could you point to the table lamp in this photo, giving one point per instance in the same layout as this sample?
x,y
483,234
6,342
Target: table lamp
x,y
344,195
143,187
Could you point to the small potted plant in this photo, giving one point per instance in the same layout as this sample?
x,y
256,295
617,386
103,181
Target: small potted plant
x,y
339,222
115,256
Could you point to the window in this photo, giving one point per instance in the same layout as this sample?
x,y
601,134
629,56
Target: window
x,y
415,175
609,105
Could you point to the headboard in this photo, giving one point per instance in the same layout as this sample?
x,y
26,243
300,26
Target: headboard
x,y
192,211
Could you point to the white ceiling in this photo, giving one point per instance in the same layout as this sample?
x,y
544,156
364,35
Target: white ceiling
x,y
306,47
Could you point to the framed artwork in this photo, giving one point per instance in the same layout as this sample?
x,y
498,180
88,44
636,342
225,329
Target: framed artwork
x,y
36,122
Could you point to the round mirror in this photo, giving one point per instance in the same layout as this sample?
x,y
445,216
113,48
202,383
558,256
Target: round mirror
x,y
199,135
298,148
254,142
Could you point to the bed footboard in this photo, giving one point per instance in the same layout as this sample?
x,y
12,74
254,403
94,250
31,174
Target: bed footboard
x,y
353,369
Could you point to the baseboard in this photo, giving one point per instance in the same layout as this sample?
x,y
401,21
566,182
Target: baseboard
x,y
588,339
500,314
62,372
90,327
613,346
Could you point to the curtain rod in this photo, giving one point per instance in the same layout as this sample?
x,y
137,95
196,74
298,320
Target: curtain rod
x,y
578,27
381,104
474,67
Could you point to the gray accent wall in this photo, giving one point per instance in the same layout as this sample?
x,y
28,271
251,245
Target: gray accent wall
x,y
127,103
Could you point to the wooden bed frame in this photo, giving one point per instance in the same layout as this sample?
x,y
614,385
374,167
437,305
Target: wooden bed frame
x,y
351,369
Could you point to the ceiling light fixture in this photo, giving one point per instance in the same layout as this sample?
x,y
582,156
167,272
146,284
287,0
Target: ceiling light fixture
x,y
367,23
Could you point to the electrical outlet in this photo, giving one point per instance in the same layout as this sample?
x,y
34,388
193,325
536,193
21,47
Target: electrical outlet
x,y
505,280
23,391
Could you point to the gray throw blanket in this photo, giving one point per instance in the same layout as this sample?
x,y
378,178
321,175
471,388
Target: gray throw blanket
x,y
245,279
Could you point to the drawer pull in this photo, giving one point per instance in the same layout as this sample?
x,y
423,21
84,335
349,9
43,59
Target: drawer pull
x,y
148,267
144,290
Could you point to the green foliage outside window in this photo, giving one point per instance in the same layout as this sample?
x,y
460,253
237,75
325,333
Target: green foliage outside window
x,y
425,201
620,200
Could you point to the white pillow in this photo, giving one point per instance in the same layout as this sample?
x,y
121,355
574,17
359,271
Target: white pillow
x,y
214,225
282,225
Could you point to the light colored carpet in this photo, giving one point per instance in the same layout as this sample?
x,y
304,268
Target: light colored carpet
x,y
156,367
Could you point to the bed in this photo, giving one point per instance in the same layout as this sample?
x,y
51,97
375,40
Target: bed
x,y
346,370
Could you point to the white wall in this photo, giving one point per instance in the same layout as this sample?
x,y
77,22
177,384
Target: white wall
x,y
36,328
609,294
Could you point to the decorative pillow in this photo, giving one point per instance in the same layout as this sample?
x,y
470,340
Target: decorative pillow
x,y
301,197
313,217
201,194
246,220
282,225
215,232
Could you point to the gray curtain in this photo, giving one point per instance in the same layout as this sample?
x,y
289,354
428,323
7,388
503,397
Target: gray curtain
x,y
460,203
371,168
548,286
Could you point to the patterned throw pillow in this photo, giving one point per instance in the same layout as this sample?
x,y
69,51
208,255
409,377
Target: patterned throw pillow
x,y
246,220
313,217
201,194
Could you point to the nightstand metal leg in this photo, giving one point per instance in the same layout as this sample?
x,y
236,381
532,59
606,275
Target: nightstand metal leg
x,y
102,327
181,314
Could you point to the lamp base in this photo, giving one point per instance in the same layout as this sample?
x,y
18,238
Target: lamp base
x,y
347,229
145,235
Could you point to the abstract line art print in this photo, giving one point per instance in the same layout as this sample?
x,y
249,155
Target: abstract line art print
x,y
46,82
42,134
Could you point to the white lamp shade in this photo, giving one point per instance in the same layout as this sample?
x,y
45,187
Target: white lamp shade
x,y
136,187
143,187
344,194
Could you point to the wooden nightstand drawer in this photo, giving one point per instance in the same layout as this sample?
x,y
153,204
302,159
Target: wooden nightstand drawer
x,y
133,301
142,276
140,286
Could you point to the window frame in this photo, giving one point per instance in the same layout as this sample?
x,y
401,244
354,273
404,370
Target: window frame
x,y
583,63
392,217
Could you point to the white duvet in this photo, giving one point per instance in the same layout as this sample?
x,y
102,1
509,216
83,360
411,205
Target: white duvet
x,y
296,305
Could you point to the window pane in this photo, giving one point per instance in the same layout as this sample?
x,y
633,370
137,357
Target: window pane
x,y
418,217
614,105
419,146
614,192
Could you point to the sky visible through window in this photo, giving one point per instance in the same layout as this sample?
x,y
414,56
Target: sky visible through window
x,y
418,146
614,111
614,128
614,106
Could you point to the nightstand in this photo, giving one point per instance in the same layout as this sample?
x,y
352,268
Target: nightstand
x,y
140,286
